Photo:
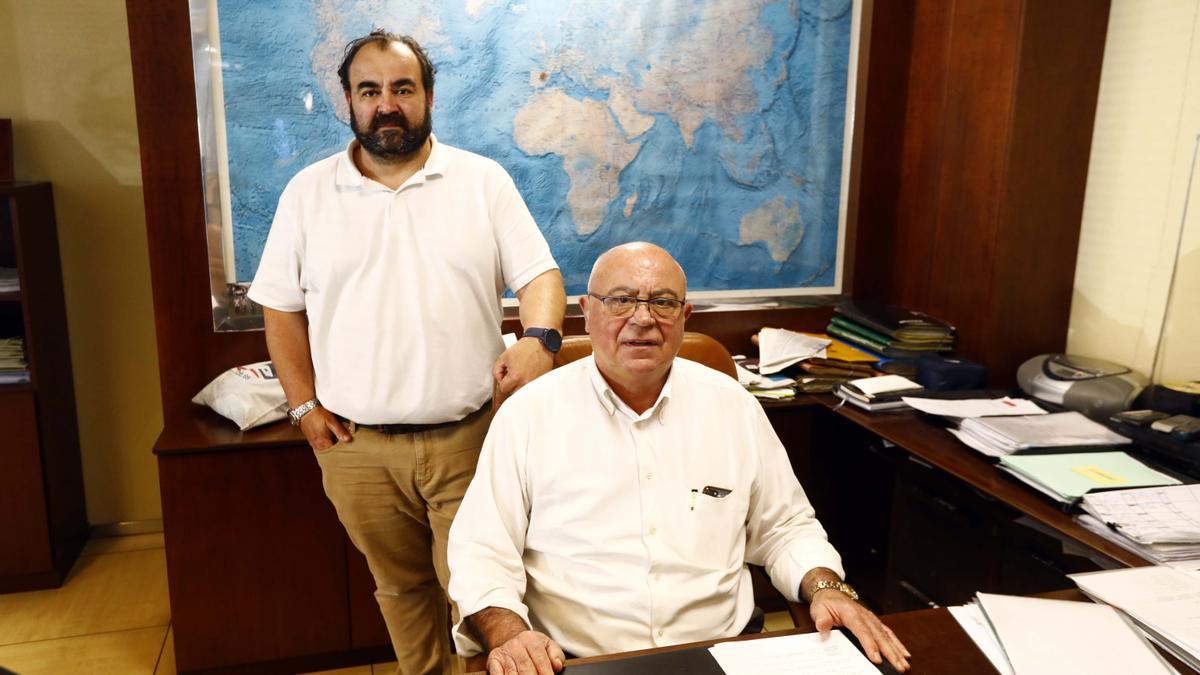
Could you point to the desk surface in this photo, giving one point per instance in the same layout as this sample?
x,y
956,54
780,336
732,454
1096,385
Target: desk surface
x,y
934,638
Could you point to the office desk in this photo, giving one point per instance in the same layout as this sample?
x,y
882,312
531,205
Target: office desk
x,y
938,645
922,520
939,448
248,526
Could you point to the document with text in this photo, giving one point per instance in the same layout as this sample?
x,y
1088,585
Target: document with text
x,y
811,654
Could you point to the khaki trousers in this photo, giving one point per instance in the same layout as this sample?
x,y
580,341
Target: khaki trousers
x,y
396,495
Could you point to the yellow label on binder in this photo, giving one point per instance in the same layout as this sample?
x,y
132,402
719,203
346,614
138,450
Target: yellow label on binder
x,y
1099,475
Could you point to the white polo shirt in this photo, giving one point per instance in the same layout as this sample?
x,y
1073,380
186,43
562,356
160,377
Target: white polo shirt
x,y
402,287
592,522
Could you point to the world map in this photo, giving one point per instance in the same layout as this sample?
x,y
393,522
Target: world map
x,y
713,128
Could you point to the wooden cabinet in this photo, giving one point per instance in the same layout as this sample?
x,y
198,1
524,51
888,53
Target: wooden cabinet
x,y
261,573
43,519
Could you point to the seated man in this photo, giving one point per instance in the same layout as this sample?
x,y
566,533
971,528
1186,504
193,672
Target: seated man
x,y
619,498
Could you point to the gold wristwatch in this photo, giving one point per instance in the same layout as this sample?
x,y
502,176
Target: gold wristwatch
x,y
835,585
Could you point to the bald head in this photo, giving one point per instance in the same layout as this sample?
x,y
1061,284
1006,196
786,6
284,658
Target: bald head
x,y
629,259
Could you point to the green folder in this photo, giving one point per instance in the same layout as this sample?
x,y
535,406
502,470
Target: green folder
x,y
1068,477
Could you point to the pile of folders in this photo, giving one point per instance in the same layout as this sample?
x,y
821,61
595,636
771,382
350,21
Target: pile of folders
x,y
890,331
821,375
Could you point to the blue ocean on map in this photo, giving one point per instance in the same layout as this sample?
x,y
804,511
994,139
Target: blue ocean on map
x,y
712,128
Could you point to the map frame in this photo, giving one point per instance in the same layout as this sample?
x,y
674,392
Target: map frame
x,y
234,311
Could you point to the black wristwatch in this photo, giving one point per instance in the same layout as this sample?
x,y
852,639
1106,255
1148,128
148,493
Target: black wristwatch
x,y
550,338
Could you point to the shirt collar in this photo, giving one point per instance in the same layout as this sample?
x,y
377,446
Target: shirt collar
x,y
348,174
611,402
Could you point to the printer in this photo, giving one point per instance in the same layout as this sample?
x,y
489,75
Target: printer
x,y
1093,387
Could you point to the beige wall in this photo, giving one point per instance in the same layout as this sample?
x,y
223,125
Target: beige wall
x,y
1147,121
66,82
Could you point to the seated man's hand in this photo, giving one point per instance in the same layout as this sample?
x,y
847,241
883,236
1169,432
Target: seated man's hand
x,y
520,364
830,607
527,653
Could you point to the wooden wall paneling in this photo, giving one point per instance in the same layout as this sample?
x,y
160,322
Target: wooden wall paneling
x,y
255,557
1058,82
886,76
190,353
911,251
999,100
980,72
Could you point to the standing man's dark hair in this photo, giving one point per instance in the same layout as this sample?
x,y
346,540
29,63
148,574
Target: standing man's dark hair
x,y
382,38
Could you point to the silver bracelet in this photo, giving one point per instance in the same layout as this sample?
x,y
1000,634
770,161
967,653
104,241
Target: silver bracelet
x,y
301,410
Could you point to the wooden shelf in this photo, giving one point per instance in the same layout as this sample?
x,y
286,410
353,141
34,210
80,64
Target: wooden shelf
x,y
44,523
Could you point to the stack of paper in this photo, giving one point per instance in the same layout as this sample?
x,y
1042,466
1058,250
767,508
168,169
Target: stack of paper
x,y
1037,635
999,436
9,281
1067,477
1164,603
885,392
770,387
1160,523
779,348
13,368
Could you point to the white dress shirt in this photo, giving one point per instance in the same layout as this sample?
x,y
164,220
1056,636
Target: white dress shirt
x,y
401,287
591,523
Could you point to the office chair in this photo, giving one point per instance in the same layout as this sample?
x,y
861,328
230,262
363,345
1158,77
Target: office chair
x,y
696,347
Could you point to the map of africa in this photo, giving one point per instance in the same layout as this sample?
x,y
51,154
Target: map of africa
x,y
713,128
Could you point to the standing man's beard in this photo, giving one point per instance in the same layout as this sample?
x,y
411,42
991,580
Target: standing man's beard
x,y
395,144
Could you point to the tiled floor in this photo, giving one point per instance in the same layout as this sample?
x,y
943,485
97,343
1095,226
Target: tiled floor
x,y
111,616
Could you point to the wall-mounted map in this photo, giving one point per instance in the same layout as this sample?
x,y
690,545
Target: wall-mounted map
x,y
711,127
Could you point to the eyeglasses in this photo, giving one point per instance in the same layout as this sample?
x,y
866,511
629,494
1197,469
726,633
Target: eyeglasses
x,y
667,309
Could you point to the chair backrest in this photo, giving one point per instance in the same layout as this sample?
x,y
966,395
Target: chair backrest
x,y
696,347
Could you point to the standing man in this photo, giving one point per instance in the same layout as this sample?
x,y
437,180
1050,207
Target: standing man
x,y
380,284
619,498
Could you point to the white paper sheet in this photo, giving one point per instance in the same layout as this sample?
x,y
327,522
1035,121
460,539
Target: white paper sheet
x,y
1165,599
810,654
974,407
1053,637
973,623
1150,515
779,348
883,384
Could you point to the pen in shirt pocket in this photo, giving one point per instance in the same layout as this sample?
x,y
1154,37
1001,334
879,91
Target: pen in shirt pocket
x,y
710,491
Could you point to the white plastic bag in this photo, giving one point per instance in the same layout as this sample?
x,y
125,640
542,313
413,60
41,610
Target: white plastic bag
x,y
249,395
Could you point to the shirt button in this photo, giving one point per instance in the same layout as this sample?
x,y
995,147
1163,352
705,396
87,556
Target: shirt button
x,y
653,530
649,475
658,577
660,633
